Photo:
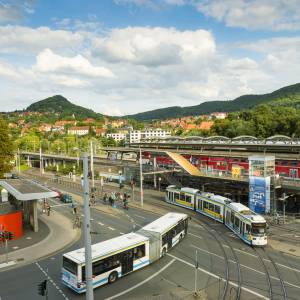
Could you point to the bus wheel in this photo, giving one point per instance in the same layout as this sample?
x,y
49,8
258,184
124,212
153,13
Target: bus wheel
x,y
112,277
164,251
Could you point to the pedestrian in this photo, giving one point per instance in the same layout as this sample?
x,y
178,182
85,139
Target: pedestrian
x,y
105,198
110,200
93,199
48,209
113,197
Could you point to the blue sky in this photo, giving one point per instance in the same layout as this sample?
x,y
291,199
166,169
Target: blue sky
x,y
127,56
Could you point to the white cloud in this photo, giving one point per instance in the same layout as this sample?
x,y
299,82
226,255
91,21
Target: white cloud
x,y
25,40
253,14
153,67
8,71
154,46
47,61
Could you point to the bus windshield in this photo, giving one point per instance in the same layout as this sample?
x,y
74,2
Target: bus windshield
x,y
258,228
70,265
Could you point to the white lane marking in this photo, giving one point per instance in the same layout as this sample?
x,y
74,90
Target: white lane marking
x,y
142,282
111,228
194,235
92,219
218,277
244,266
100,223
51,280
122,233
284,266
140,216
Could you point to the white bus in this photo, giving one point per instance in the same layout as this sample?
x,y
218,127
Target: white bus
x,y
119,256
165,232
112,259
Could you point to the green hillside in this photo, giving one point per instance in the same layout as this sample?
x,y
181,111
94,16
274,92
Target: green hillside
x,y
289,95
62,106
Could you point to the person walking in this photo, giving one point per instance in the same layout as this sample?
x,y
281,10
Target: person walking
x,y
105,198
48,209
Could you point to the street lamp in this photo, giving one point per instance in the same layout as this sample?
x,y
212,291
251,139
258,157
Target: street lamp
x,y
159,180
283,199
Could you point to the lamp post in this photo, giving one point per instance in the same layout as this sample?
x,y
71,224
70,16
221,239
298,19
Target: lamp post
x,y
141,179
159,180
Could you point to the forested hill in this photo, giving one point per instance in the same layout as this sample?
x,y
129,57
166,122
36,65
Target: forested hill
x,y
289,95
62,106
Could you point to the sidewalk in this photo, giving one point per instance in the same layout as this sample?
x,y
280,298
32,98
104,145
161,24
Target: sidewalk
x,y
60,236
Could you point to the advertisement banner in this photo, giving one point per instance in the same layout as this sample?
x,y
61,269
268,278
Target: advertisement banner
x,y
259,194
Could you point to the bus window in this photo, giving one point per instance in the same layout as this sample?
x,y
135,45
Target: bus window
x,y
188,198
70,265
139,252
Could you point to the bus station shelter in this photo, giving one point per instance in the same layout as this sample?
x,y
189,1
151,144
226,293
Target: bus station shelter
x,y
24,195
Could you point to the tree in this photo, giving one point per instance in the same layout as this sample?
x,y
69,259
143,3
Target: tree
x,y
6,148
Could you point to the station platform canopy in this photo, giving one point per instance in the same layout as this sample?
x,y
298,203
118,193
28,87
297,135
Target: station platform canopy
x,y
184,163
26,190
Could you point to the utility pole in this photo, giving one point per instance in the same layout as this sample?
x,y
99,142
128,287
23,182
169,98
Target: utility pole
x,y
154,169
41,161
87,231
196,273
19,161
141,179
92,164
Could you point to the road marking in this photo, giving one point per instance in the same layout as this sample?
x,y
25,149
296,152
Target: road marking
x,y
218,277
51,280
100,223
140,216
122,233
244,266
111,228
142,282
194,235
293,269
92,219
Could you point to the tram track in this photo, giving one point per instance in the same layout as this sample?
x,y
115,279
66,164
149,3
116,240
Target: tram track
x,y
272,294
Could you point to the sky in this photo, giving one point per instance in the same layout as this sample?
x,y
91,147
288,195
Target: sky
x,y
121,57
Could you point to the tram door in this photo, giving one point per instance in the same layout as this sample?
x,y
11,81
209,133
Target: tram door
x,y
127,261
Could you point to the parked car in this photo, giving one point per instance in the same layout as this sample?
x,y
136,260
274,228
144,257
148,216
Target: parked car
x,y
66,198
59,193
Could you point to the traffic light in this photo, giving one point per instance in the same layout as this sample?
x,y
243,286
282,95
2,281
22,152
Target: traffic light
x,y
42,288
10,235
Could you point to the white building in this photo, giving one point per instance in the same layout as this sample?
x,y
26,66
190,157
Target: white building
x,y
135,136
117,136
79,130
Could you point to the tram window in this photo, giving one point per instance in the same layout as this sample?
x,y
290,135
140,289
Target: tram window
x,y
188,198
182,197
211,207
248,228
205,205
284,163
293,163
139,252
232,217
176,196
217,209
236,222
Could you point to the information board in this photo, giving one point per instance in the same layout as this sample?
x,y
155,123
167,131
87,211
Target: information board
x,y
259,194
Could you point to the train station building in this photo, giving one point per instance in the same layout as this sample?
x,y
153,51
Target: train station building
x,y
18,205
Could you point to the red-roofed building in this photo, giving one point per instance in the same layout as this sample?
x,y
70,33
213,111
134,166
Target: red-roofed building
x,y
100,132
79,130
206,125
65,122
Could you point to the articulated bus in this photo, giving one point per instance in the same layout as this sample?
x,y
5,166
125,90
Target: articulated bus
x,y
248,225
119,256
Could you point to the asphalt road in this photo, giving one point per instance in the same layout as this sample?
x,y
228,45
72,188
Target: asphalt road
x,y
220,253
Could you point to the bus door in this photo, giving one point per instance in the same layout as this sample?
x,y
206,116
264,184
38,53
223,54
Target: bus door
x,y
127,261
